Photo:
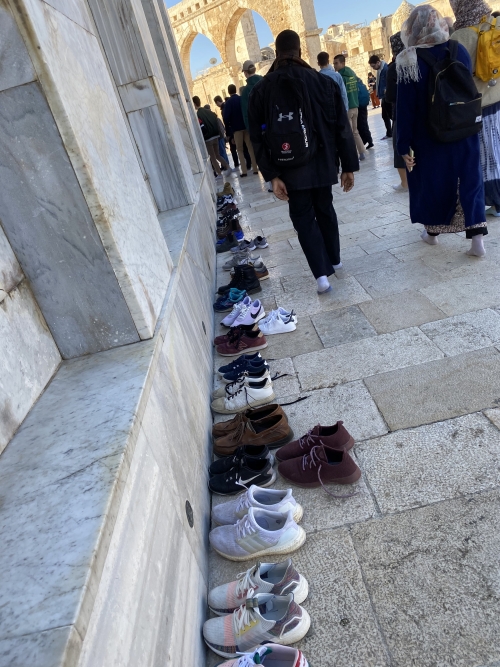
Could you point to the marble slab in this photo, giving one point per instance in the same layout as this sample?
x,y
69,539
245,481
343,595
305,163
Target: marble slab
x,y
29,358
51,648
122,207
50,228
10,271
16,67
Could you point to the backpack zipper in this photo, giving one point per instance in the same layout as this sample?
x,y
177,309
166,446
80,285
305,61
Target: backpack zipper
x,y
441,72
452,104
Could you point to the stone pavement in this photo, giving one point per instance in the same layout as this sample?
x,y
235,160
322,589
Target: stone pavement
x,y
405,349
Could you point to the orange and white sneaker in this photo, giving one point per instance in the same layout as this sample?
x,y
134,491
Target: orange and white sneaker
x,y
270,655
263,618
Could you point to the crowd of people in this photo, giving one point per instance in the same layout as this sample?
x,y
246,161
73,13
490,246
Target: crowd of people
x,y
440,104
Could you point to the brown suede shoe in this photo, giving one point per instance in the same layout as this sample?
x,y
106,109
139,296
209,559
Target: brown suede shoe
x,y
232,333
254,414
271,431
321,466
244,342
335,437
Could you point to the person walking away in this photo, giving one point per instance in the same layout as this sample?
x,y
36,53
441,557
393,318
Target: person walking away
x,y
471,18
223,133
391,95
445,182
233,116
380,66
326,69
363,127
252,79
304,120
372,84
211,134
351,86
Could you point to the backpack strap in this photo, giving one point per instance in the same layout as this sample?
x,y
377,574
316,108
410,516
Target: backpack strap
x,y
427,57
453,48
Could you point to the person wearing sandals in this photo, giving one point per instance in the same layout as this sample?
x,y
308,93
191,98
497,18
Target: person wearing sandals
x,y
445,183
468,17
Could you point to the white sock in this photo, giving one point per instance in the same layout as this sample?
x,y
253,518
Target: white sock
x,y
323,283
337,266
477,246
431,240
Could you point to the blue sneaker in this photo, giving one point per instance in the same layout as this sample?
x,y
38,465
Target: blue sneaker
x,y
239,361
239,236
227,301
253,369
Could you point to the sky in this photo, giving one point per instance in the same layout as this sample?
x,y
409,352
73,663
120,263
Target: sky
x,y
358,11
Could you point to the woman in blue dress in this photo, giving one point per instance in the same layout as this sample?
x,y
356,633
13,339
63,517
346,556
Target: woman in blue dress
x,y
445,179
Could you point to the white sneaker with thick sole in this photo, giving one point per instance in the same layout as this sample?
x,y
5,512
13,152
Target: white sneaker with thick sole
x,y
259,533
250,314
276,324
276,578
248,396
263,618
231,388
269,655
273,500
237,308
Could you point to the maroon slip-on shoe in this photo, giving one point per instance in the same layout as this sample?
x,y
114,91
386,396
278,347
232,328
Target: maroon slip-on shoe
x,y
321,466
335,437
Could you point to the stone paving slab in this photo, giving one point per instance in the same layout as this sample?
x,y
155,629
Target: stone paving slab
x,y
400,311
307,301
432,575
366,263
398,278
435,391
462,295
466,332
424,465
342,326
301,341
363,358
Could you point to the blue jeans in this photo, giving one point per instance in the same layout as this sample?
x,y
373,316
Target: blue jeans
x,y
222,149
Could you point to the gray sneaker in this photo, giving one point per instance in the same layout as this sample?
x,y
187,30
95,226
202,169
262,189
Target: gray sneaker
x,y
237,259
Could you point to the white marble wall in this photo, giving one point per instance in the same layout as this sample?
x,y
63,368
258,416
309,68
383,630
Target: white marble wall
x,y
75,79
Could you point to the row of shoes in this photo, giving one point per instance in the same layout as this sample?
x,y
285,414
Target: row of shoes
x,y
265,599
243,257
229,232
246,313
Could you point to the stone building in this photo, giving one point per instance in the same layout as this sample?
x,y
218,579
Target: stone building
x,y
107,261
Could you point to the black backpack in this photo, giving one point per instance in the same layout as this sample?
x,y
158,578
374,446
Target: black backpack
x,y
289,131
454,101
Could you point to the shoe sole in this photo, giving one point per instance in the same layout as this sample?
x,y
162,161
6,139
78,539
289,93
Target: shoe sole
x,y
235,354
349,445
240,491
216,395
264,277
255,379
315,485
271,460
272,551
272,333
279,443
254,404
254,290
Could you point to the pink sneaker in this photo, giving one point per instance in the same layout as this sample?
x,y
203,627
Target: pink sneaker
x,y
250,314
270,654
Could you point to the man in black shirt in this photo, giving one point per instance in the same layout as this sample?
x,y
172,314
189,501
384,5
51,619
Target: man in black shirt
x,y
308,188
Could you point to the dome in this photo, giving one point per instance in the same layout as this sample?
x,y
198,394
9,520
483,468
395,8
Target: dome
x,y
400,15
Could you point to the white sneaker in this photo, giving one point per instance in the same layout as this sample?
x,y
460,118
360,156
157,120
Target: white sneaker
x,y
287,314
237,308
399,188
231,388
492,211
251,396
250,314
276,578
276,324
263,618
273,500
259,533
269,655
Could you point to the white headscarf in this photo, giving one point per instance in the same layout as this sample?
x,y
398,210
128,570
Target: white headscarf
x,y
424,29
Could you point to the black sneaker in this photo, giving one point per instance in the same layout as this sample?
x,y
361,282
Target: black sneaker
x,y
240,361
247,471
229,242
225,464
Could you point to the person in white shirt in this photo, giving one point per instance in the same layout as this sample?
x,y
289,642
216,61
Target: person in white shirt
x,y
328,70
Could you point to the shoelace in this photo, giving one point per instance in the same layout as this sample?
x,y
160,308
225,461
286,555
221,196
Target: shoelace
x,y
243,617
243,503
249,659
312,459
245,583
244,528
307,439
243,312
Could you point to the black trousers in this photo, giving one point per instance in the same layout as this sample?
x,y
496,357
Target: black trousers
x,y
387,116
234,153
315,222
363,128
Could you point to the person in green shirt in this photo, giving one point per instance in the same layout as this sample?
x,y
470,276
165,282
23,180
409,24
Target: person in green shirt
x,y
351,85
252,79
